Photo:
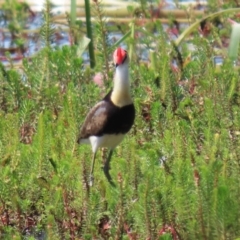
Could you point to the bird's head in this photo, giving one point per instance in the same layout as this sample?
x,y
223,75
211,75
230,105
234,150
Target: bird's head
x,y
120,56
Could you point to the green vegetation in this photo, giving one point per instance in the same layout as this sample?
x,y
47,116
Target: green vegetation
x,y
176,172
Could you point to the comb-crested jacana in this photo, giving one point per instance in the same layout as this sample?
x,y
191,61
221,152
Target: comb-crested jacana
x,y
110,119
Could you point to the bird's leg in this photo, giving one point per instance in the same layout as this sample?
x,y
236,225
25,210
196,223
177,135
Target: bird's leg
x,y
92,169
106,168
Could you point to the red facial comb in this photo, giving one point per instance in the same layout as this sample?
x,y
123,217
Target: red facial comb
x,y
119,55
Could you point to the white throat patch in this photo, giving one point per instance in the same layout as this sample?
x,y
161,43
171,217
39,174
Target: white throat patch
x,y
121,92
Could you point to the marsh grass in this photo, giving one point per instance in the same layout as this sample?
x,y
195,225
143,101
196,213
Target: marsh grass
x,y
176,172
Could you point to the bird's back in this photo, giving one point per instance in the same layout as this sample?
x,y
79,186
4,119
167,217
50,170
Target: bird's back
x,y
106,118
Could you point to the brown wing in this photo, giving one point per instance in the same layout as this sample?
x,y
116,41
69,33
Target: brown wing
x,y
95,120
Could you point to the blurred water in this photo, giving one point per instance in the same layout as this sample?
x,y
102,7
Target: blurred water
x,y
33,42
64,5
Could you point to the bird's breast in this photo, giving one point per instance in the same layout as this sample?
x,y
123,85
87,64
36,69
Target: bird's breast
x,y
106,140
120,120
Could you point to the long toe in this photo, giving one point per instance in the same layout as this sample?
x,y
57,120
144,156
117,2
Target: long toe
x,y
91,180
106,169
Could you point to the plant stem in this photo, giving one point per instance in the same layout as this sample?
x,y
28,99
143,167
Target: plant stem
x,y
131,50
103,33
89,33
73,11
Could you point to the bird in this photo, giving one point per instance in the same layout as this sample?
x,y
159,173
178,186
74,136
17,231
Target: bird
x,y
109,120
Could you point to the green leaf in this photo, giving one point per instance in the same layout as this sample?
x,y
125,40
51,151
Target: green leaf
x,y
234,42
82,45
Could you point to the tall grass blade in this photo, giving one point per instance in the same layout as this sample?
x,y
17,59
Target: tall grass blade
x,y
234,42
195,25
132,45
122,39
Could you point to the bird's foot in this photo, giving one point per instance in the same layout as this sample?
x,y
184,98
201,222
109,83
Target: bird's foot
x,y
91,180
106,169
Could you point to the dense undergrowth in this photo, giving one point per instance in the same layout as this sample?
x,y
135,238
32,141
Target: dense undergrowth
x,y
176,172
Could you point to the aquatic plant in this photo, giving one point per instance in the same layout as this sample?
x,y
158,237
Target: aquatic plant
x,y
177,172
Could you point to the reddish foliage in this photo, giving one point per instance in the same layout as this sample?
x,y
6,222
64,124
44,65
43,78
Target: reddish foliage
x,y
26,133
104,226
73,223
169,229
17,219
131,235
146,108
196,177
120,179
